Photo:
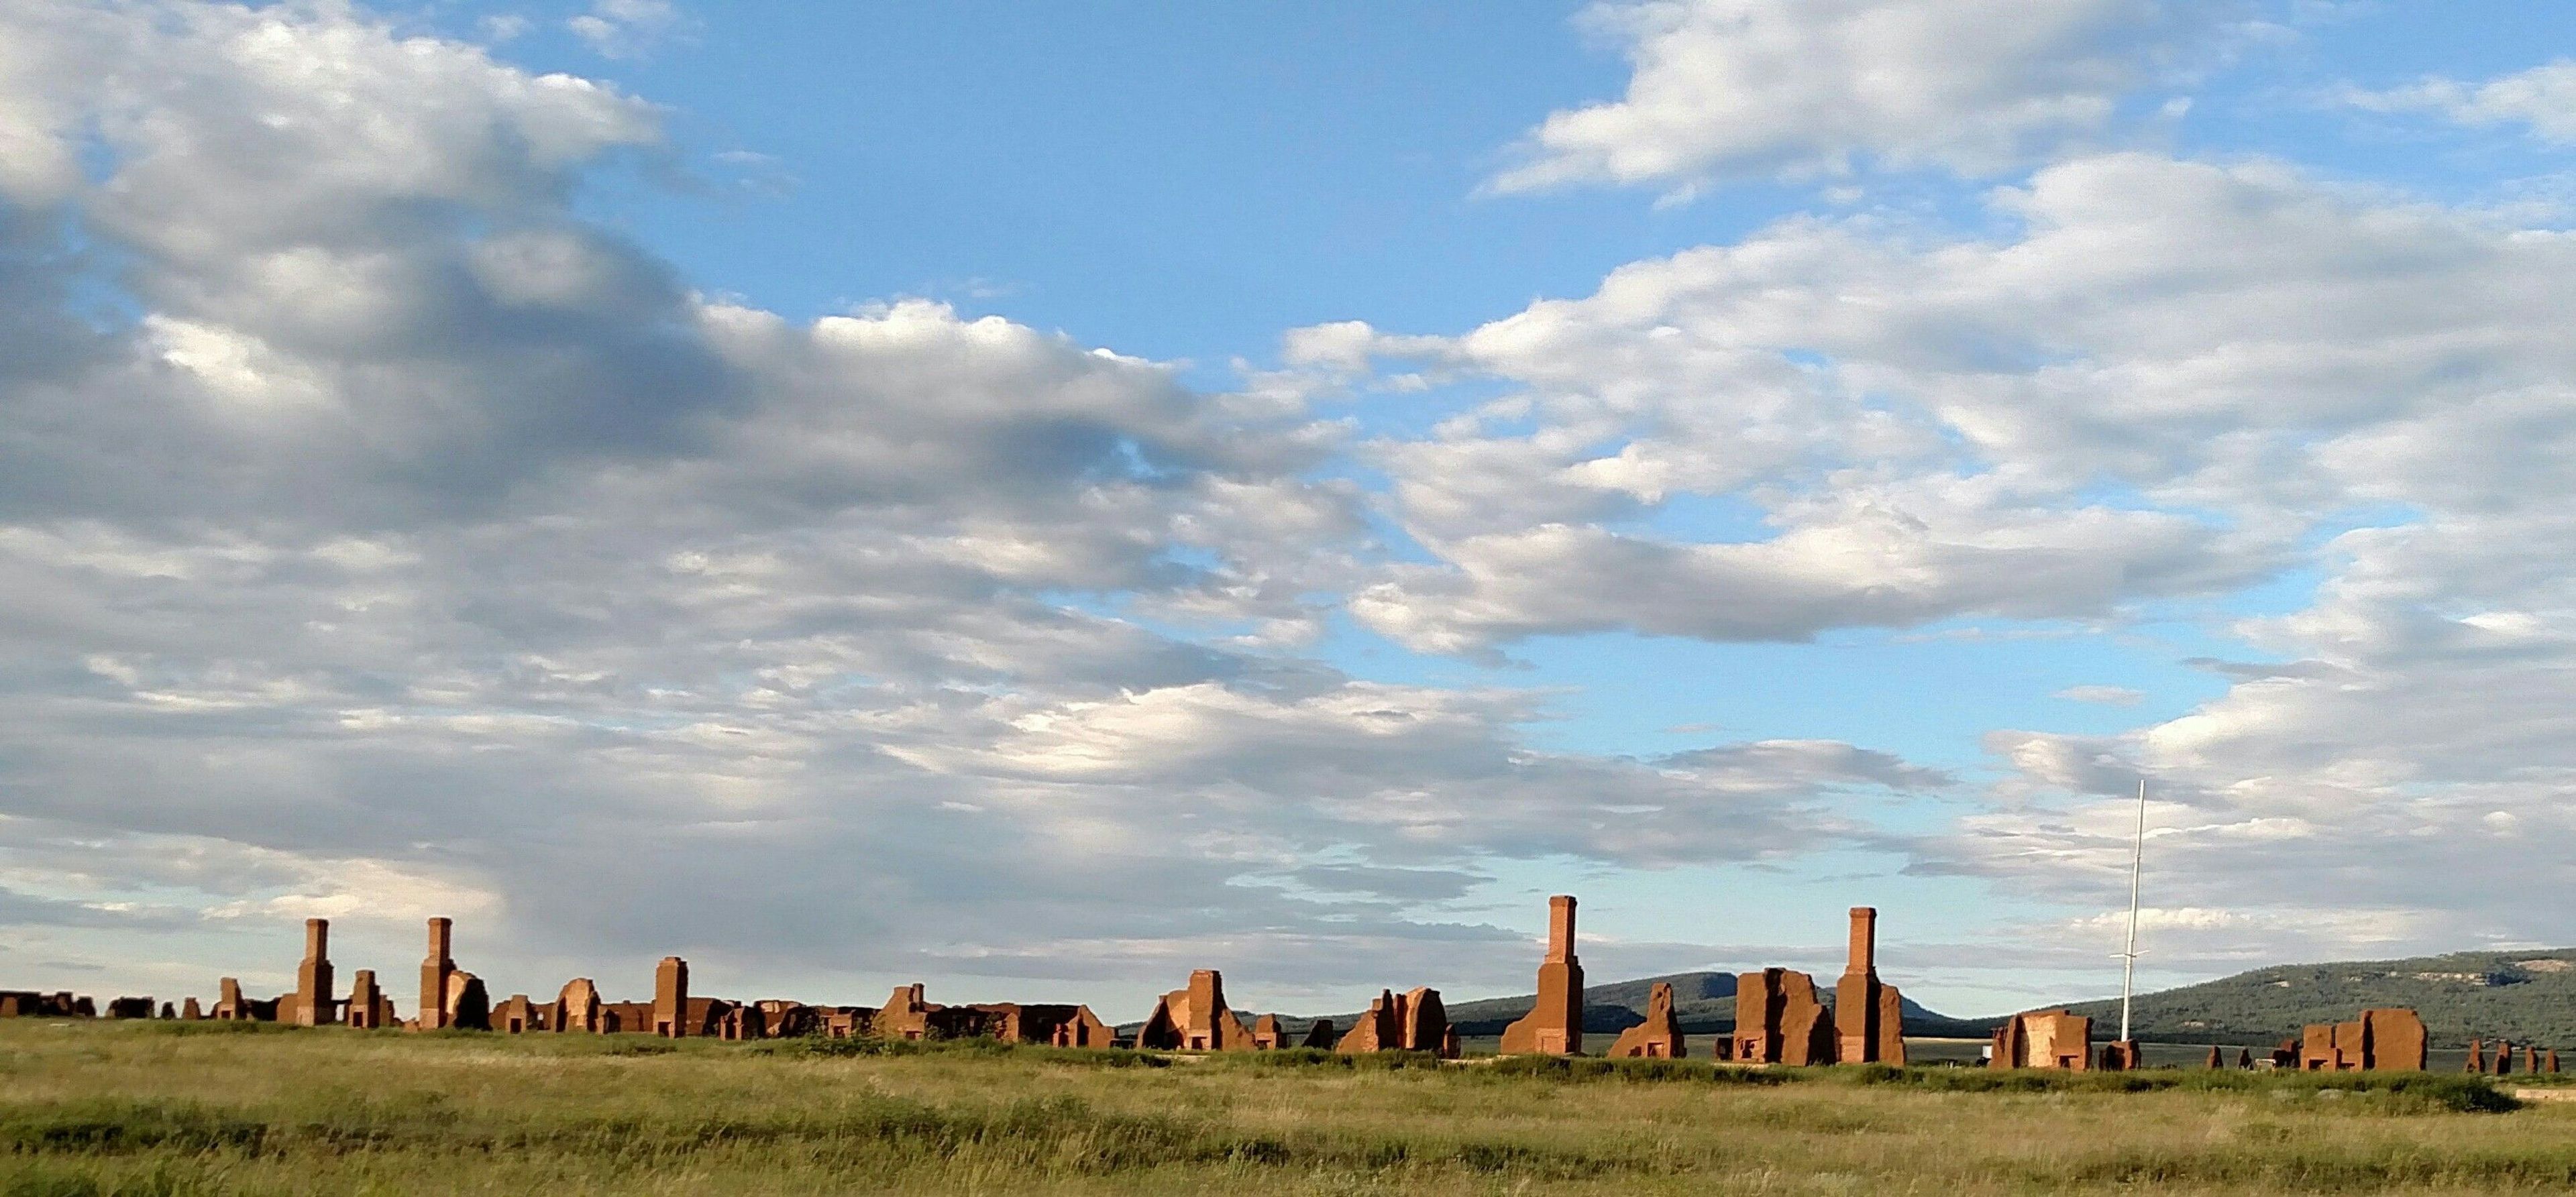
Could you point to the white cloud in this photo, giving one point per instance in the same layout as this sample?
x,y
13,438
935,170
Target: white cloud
x,y
2542,99
629,28
1734,88
2169,375
423,546
2162,378
2113,696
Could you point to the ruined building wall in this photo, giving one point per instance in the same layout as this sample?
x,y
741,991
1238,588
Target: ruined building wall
x,y
435,971
1657,1038
1869,1015
1780,1020
314,1005
1554,1026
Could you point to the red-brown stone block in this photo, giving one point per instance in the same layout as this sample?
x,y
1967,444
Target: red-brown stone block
x,y
1779,1020
2052,1039
1195,1019
1554,1026
1657,1038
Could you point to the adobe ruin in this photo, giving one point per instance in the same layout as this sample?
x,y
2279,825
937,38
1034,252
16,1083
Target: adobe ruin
x,y
671,998
312,1004
469,1005
1869,1015
1778,1020
2051,1039
1554,1025
2383,1040
518,1016
1413,1021
231,1006
369,1008
1657,1038
577,1007
909,1015
437,970
1195,1019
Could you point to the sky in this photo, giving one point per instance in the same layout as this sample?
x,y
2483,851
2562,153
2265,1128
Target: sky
x,y
1038,498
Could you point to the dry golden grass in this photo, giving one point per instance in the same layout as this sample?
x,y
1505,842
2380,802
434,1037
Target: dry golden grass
x,y
169,1109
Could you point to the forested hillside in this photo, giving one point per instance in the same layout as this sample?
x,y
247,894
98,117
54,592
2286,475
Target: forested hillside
x,y
2526,996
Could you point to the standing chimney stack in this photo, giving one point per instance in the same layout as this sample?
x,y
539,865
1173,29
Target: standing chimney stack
x,y
1864,942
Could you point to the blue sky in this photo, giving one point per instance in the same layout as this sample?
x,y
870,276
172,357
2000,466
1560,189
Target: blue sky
x,y
1749,495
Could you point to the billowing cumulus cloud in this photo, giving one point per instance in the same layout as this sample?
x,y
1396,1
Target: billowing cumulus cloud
x,y
2167,379
405,543
1737,88
383,537
2170,375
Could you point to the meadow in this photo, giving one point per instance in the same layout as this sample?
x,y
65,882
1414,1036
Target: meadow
x,y
182,1109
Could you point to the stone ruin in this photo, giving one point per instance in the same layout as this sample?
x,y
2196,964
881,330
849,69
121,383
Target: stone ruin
x,y
22,1003
1657,1038
1554,1025
231,1006
2535,1059
449,996
369,1008
1413,1021
1869,1015
671,998
1781,1019
1195,1019
1269,1034
2054,1039
906,1015
1781,1016
2389,1040
311,1005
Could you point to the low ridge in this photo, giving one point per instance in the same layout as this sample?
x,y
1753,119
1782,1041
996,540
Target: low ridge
x,y
2527,996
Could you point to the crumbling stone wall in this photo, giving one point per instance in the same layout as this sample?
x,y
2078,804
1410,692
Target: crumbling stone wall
x,y
1195,1019
1779,1020
1660,1036
2054,1039
1554,1026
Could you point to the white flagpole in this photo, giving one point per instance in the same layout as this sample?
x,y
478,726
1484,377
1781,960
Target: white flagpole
x,y
2129,958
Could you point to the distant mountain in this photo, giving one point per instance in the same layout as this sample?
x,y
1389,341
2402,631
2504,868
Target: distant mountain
x,y
2528,997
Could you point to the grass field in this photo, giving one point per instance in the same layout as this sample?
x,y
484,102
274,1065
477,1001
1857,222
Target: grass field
x,y
169,1109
